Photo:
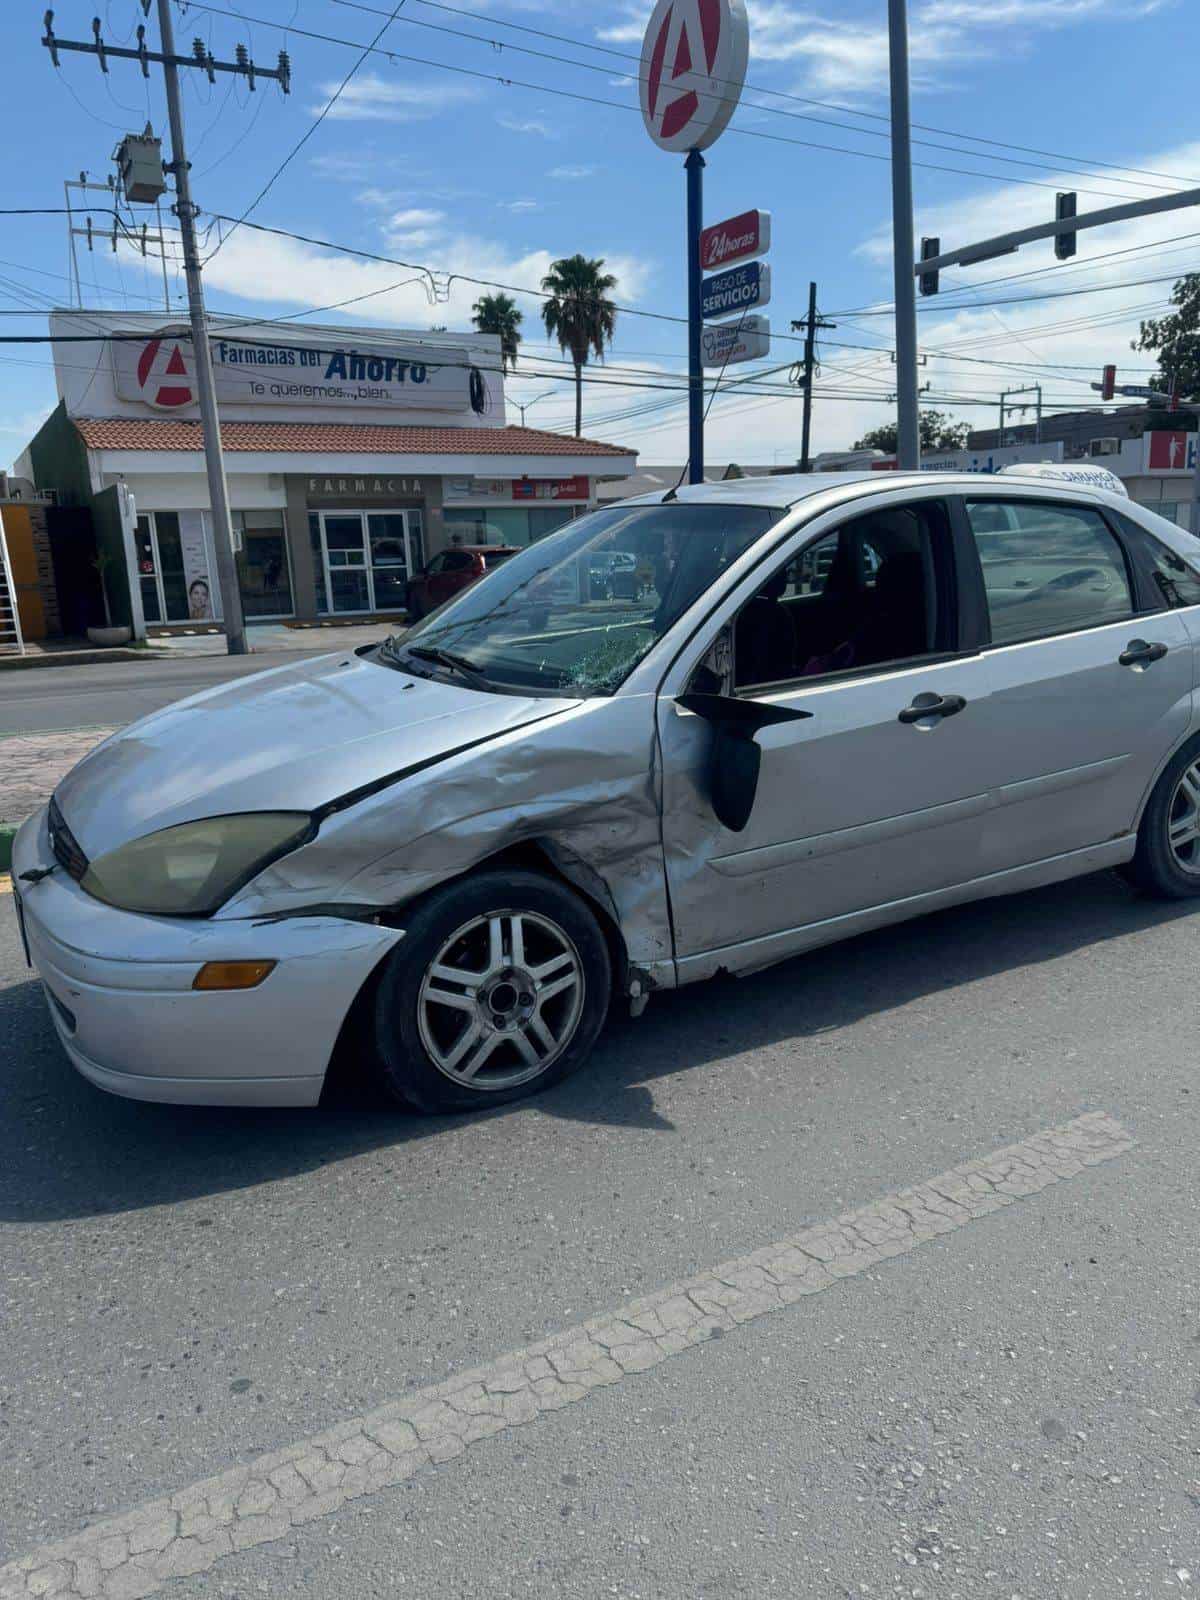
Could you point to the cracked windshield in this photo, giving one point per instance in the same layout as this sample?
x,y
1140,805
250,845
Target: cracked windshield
x,y
578,611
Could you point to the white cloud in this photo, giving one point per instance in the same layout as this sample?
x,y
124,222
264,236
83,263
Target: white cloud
x,y
570,173
414,229
415,217
848,56
371,98
530,125
520,207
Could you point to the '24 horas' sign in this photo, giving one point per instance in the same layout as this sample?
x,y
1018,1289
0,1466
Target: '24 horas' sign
x,y
160,373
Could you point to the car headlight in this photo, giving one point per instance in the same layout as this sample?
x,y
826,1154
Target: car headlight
x,y
193,868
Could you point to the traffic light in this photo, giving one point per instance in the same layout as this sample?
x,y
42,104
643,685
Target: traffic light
x,y
1064,243
1108,383
928,281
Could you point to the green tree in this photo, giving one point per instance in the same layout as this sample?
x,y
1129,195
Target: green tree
x,y
937,431
578,315
1175,340
497,313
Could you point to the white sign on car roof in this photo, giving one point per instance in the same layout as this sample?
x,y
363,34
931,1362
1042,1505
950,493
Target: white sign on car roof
x,y
1069,472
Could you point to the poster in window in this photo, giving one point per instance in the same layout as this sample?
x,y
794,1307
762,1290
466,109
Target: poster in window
x,y
195,566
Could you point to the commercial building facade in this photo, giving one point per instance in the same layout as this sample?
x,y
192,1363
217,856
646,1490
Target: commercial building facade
x,y
353,457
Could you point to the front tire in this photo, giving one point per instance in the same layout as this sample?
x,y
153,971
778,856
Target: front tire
x,y
497,990
1167,860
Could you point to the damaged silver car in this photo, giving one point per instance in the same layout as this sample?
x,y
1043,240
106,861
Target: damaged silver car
x,y
823,704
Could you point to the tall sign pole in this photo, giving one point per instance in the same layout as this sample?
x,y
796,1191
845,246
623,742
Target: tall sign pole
x,y
695,223
694,59
908,426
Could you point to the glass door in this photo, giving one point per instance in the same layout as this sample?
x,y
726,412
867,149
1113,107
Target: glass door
x,y
147,563
394,549
344,548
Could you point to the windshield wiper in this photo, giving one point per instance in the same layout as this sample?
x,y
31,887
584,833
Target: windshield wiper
x,y
446,658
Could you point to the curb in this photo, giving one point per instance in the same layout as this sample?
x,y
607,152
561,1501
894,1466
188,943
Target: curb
x,y
79,658
8,832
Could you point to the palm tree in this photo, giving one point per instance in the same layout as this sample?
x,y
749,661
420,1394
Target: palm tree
x,y
497,313
578,315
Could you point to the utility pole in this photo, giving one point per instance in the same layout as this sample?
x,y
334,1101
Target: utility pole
x,y
185,210
1028,388
908,427
117,231
810,325
214,459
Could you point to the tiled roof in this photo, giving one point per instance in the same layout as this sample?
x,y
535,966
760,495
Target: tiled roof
x,y
356,438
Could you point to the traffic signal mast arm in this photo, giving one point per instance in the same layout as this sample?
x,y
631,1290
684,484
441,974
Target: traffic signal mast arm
x,y
1005,243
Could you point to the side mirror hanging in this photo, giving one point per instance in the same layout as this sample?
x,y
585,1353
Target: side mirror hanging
x,y
736,757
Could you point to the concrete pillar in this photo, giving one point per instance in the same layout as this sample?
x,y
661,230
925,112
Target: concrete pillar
x,y
300,551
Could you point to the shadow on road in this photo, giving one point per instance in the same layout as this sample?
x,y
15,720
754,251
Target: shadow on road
x,y
69,1151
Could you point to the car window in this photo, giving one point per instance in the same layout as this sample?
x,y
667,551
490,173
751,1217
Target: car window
x,y
1054,569
1177,582
876,590
457,561
438,564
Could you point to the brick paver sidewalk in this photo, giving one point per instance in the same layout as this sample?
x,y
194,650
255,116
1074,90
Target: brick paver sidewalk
x,y
31,764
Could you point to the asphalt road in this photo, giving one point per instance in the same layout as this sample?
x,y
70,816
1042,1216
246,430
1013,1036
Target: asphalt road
x,y
46,699
1008,1410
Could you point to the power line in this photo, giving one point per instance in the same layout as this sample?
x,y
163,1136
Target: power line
x,y
850,111
801,116
661,316
622,105
313,126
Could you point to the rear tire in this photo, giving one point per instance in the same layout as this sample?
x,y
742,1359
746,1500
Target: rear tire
x,y
1167,860
497,990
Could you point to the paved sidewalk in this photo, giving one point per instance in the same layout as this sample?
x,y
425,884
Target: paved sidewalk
x,y
31,765
272,636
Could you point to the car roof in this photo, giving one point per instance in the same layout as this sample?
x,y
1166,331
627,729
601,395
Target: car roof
x,y
785,490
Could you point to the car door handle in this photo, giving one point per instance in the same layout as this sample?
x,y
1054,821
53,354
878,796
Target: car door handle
x,y
1137,653
933,705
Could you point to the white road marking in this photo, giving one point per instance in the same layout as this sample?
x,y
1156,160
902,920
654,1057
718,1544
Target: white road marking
x,y
126,1557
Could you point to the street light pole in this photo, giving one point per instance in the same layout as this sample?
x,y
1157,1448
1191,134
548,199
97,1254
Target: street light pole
x,y
524,408
908,428
218,489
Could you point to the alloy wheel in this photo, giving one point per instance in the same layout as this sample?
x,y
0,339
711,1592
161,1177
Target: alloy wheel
x,y
1183,820
501,1000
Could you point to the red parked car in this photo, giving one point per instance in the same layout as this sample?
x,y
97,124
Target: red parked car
x,y
452,571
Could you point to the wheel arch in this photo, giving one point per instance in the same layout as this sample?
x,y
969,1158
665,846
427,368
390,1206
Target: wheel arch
x,y
552,860
1190,735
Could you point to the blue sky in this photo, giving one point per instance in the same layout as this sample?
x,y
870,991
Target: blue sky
x,y
471,176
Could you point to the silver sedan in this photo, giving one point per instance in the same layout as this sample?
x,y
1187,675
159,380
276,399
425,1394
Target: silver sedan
x,y
827,703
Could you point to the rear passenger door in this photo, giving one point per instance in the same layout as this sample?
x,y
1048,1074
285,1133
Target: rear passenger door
x,y
1090,677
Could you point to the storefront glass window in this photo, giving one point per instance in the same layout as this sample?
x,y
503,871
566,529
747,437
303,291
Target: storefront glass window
x,y
519,525
389,562
264,577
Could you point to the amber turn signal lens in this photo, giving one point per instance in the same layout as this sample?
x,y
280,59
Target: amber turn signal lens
x,y
231,974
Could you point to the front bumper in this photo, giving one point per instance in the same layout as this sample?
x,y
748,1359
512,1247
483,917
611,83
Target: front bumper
x,y
121,997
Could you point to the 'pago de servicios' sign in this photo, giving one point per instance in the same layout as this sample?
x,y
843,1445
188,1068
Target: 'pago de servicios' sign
x,y
160,373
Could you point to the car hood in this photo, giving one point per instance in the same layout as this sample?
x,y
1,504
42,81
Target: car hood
x,y
294,738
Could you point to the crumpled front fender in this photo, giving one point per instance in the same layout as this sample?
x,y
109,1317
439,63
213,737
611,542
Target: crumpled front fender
x,y
584,786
